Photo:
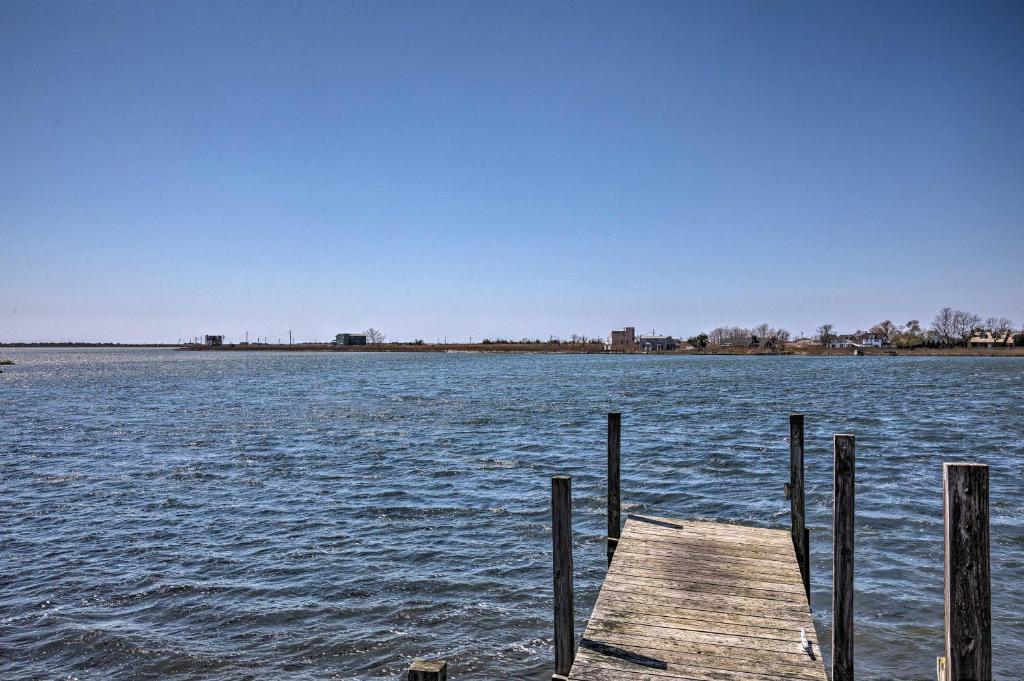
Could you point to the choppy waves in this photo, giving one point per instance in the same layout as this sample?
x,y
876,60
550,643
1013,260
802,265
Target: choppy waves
x,y
227,516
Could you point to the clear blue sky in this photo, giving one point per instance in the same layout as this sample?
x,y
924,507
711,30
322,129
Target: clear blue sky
x,y
505,169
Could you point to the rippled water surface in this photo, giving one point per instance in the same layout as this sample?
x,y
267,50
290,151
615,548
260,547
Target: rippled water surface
x,y
276,515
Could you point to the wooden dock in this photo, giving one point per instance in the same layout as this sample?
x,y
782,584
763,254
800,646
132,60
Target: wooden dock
x,y
698,600
703,601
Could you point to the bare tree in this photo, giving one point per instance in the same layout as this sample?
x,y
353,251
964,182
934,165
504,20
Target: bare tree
x,y
739,332
955,326
825,334
944,325
762,331
781,335
718,334
886,329
375,336
965,324
999,325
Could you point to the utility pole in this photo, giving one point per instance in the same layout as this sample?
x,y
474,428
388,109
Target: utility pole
x,y
289,336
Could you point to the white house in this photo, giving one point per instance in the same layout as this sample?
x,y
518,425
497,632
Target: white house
x,y
872,340
987,339
845,341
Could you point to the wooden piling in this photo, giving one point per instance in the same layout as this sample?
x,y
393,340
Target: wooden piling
x,y
968,588
561,540
842,560
614,492
798,523
428,670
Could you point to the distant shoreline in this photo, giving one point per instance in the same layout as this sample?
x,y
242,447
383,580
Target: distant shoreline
x,y
539,348
72,344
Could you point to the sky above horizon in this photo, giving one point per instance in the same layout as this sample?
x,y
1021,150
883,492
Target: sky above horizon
x,y
468,169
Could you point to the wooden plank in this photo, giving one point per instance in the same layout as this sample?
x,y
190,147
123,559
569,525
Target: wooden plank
x,y
771,539
696,599
713,584
699,655
732,529
622,670
721,588
842,559
652,522
968,588
696,620
667,566
672,550
704,552
715,546
703,572
779,558
722,534
756,646
727,561
639,606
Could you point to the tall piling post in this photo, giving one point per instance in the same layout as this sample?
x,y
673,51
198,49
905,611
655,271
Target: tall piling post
x,y
428,670
842,559
798,521
561,541
968,588
614,491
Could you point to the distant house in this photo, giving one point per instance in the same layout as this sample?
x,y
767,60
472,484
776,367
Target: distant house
x,y
844,341
987,339
214,341
658,343
872,340
740,342
350,339
622,340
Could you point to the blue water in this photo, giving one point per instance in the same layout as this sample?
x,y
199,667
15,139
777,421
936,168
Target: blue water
x,y
274,515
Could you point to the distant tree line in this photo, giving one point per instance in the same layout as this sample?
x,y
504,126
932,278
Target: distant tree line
x,y
950,328
724,335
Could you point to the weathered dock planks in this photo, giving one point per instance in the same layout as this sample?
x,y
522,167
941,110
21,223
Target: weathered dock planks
x,y
699,600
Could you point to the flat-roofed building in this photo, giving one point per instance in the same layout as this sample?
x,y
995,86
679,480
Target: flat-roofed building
x,y
350,339
658,343
622,340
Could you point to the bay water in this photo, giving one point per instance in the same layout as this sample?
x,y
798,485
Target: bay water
x,y
229,515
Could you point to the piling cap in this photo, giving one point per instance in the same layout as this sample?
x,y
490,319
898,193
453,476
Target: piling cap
x,y
428,666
